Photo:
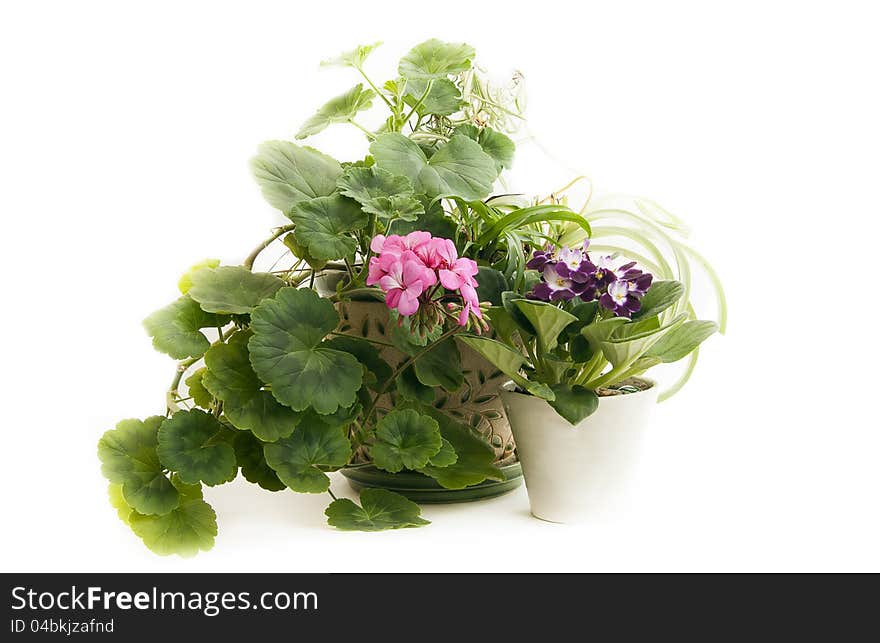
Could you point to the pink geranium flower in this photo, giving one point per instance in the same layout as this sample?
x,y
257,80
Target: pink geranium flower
x,y
406,278
397,245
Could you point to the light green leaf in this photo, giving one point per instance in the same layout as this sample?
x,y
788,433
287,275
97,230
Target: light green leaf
x,y
440,366
232,289
574,403
601,330
323,226
681,341
186,446
445,457
250,457
117,501
128,457
299,252
197,391
508,361
185,531
297,459
176,329
623,347
339,109
547,320
459,168
443,98
246,404
494,143
288,173
185,282
474,458
660,296
434,220
287,353
502,323
381,509
354,58
381,193
436,59
508,301
405,440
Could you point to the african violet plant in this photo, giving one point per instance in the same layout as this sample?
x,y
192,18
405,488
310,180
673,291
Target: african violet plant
x,y
587,326
281,393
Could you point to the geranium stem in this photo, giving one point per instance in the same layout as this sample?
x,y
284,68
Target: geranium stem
x,y
252,257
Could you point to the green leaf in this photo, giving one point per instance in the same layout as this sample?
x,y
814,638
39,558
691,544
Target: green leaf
x,y
186,447
299,252
440,366
381,509
197,391
381,193
246,404
405,440
339,109
585,313
128,457
443,98
625,346
494,143
297,459
185,531
681,341
660,296
459,168
502,323
434,220
288,173
354,58
232,289
601,330
574,403
547,320
508,361
323,226
580,349
445,457
436,59
508,300
474,458
410,388
491,284
367,354
185,282
287,353
250,457
176,329
117,501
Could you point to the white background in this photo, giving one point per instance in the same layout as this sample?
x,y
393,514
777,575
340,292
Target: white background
x,y
125,131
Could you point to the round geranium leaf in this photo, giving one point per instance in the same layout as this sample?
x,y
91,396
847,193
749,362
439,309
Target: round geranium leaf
x,y
230,377
323,225
445,457
436,59
405,439
232,289
380,509
128,457
288,353
250,457
185,531
117,501
299,459
288,173
197,391
185,282
340,109
187,445
176,329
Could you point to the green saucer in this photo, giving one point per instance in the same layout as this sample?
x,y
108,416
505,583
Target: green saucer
x,y
422,489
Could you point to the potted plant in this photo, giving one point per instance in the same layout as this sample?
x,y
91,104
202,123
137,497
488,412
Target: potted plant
x,y
575,344
340,358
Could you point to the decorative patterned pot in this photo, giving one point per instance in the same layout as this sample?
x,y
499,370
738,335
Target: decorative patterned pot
x,y
477,404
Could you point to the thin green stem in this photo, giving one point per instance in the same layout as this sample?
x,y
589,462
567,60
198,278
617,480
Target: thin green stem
x,y
369,134
375,89
419,103
332,495
252,257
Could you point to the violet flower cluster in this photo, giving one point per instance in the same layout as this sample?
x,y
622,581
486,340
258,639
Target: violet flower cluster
x,y
409,270
567,273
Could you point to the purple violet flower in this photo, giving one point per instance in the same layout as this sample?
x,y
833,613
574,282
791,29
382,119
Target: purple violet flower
x,y
554,286
620,300
541,258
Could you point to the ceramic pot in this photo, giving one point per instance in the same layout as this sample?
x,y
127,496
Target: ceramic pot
x,y
477,403
578,473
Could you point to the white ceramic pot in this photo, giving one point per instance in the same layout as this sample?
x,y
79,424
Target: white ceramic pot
x,y
582,472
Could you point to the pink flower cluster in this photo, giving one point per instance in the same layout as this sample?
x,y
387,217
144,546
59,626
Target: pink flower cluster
x,y
408,269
